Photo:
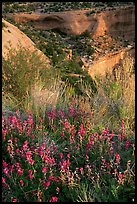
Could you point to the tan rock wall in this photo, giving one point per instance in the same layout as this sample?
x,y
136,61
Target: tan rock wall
x,y
13,37
106,63
119,22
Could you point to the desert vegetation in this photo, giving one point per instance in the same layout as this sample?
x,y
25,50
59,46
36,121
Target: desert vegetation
x,y
58,6
65,136
80,148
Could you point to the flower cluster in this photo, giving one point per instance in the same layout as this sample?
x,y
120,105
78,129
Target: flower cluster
x,y
41,164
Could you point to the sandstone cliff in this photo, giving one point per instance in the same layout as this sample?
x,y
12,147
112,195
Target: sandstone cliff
x,y
117,22
13,37
106,63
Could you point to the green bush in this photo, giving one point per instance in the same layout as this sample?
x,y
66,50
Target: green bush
x,y
91,12
19,72
86,34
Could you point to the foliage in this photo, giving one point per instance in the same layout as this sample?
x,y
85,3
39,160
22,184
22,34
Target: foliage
x,y
10,7
89,13
62,159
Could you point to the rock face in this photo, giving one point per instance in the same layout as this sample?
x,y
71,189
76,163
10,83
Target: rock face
x,y
118,22
12,36
106,63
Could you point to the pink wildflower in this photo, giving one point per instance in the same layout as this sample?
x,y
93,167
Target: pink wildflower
x,y
46,158
53,199
3,180
61,113
30,174
30,120
120,177
128,143
26,142
66,124
31,161
46,184
62,134
24,125
105,131
53,178
5,185
20,171
17,164
4,164
82,130
44,169
111,135
11,168
28,132
25,145
22,182
81,170
68,162
14,199
17,150
18,113
117,158
68,155
61,155
72,110
57,189
6,171
28,154
41,153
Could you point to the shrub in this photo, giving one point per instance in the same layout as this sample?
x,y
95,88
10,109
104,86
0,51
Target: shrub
x,y
20,71
89,13
86,34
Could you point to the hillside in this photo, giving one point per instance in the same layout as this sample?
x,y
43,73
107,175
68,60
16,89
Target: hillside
x,y
109,31
13,37
113,22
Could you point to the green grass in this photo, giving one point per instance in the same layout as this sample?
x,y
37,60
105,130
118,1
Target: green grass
x,y
110,100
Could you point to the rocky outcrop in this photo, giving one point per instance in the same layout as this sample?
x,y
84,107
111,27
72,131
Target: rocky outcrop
x,y
106,63
14,38
117,22
69,22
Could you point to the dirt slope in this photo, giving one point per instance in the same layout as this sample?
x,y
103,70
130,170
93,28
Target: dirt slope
x,y
12,36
